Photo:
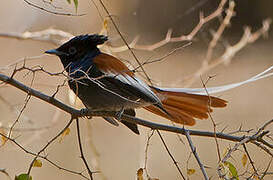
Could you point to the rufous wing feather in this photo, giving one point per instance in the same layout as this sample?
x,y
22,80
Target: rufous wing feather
x,y
184,108
110,64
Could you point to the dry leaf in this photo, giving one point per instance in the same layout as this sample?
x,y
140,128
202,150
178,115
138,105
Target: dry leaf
x,y
190,171
244,160
65,133
104,29
140,174
3,138
37,163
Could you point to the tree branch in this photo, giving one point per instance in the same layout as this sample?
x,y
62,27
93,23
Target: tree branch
x,y
85,112
193,149
170,154
51,12
81,150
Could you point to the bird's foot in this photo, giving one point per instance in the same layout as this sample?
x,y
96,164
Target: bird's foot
x,y
84,112
119,114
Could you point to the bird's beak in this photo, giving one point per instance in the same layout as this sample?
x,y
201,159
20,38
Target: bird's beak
x,y
54,51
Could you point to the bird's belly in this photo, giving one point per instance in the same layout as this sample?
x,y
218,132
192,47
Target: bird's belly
x,y
101,99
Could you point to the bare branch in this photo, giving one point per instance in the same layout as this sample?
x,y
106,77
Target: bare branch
x,y
125,42
193,149
250,159
202,20
5,173
170,154
80,113
46,35
43,157
146,153
219,32
51,12
211,118
49,143
19,115
81,150
230,51
133,45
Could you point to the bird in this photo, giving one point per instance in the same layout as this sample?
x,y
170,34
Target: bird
x,y
104,83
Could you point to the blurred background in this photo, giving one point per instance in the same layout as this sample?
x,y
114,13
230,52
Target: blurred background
x,y
116,151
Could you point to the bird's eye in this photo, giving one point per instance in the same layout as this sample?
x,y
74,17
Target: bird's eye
x,y
72,50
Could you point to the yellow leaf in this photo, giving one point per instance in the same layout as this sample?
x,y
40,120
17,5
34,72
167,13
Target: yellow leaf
x,y
105,23
190,171
65,133
244,160
140,174
37,163
104,29
3,138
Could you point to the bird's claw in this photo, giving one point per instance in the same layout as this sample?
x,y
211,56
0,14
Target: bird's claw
x,y
84,111
119,114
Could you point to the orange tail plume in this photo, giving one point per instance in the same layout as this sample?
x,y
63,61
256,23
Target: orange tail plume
x,y
185,107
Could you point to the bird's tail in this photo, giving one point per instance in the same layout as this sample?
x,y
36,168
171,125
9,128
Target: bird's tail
x,y
186,104
185,107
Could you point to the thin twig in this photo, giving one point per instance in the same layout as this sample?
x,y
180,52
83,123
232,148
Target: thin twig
x,y
148,61
5,173
219,32
125,42
202,20
49,142
51,12
81,150
19,115
170,154
211,118
266,170
193,149
230,51
43,157
146,152
133,45
250,160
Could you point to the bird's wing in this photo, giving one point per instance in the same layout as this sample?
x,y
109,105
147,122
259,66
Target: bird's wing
x,y
110,64
122,80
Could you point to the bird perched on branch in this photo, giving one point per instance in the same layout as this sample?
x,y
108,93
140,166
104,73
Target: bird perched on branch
x,y
104,83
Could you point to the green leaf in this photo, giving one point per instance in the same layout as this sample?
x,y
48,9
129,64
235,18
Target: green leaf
x,y
232,170
23,177
69,1
76,3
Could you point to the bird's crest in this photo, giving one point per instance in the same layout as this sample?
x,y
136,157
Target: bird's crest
x,y
93,39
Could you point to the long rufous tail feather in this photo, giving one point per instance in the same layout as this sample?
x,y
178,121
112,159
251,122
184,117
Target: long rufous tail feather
x,y
186,104
184,107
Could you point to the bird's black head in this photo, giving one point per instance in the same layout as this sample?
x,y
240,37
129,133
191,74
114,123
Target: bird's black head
x,y
76,48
